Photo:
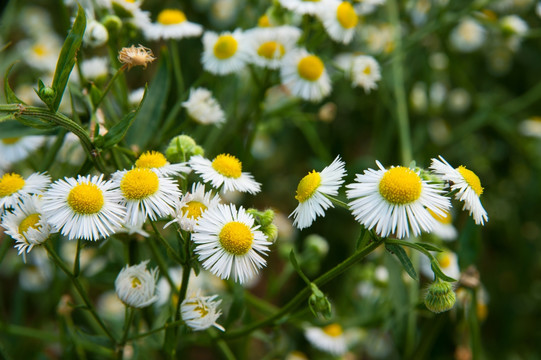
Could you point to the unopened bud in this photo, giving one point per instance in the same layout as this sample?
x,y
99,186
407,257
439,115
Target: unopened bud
x,y
47,94
181,148
318,303
264,220
317,244
440,296
112,23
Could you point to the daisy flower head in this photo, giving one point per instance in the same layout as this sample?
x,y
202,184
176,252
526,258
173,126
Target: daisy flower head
x,y
339,19
128,10
302,7
448,262
41,53
13,186
136,56
305,76
363,70
229,244
268,46
96,33
363,7
224,53
468,35
203,108
136,286
146,194
95,68
467,185
26,224
84,208
312,191
226,170
201,312
192,205
19,148
172,24
330,339
444,228
156,161
395,201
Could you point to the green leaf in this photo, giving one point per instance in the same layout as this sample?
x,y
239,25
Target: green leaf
x,y
430,247
68,57
19,127
11,98
437,271
404,259
119,130
95,94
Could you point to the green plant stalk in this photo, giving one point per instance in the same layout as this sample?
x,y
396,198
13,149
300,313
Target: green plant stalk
x,y
77,261
53,151
128,319
474,327
110,84
17,330
157,330
161,263
177,69
169,248
305,293
186,269
222,345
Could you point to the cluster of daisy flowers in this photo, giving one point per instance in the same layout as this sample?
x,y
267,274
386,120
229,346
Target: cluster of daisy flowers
x,y
398,201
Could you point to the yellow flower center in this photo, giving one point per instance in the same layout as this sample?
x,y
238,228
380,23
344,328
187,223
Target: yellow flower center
x,y
151,159
135,282
11,140
346,15
367,70
139,183
194,209
445,219
263,21
310,0
225,47
39,50
271,50
171,17
471,179
85,198
10,184
236,238
203,310
308,186
227,165
444,259
333,330
400,185
31,221
310,67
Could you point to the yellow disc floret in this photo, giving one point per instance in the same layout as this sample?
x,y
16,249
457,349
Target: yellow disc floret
x,y
446,219
310,68
39,50
11,140
171,17
151,159
264,21
236,238
86,198
194,209
135,282
271,50
333,330
10,184
308,186
400,185
444,259
346,15
139,183
227,165
29,222
225,47
472,179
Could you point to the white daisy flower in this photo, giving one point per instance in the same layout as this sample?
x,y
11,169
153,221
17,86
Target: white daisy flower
x,y
301,7
363,70
94,68
38,273
192,205
305,76
203,108
268,46
41,53
444,228
224,53
468,35
130,10
136,96
19,148
312,191
13,186
229,244
156,161
172,24
364,7
395,200
87,208
26,224
514,25
226,170
467,185
330,339
201,312
531,126
146,194
339,19
136,286
448,262
95,34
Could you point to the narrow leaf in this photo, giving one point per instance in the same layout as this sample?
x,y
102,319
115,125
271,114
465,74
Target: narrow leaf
x,y
437,271
404,259
11,98
430,247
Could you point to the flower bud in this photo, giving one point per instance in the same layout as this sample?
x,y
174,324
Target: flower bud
x,y
96,34
112,23
264,219
181,148
318,303
47,94
317,244
440,296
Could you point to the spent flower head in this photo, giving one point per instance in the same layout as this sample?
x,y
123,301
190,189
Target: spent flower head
x,y
136,56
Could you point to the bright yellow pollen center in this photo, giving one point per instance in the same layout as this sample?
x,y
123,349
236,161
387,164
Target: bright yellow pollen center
x,y
444,260
310,0
225,47
31,221
203,310
39,50
310,67
446,219
139,183
307,186
333,330
151,159
227,165
171,17
194,209
263,21
85,198
11,140
10,184
135,282
471,179
346,15
271,50
367,70
236,238
400,185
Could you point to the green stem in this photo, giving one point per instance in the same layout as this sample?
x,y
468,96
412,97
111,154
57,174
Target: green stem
x,y
222,345
109,85
186,270
53,151
337,202
168,246
128,319
474,327
161,263
157,330
77,262
177,70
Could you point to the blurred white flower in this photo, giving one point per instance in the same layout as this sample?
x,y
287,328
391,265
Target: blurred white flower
x,y
136,286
